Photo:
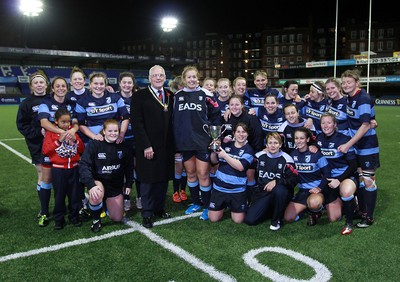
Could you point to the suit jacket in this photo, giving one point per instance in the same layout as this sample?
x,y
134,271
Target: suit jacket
x,y
152,127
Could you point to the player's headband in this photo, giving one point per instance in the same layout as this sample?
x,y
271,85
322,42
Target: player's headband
x,y
38,75
317,88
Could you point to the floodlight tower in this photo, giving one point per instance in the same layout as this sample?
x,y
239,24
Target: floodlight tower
x,y
29,8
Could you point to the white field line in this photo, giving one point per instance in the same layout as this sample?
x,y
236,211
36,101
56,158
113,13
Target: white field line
x,y
15,152
186,256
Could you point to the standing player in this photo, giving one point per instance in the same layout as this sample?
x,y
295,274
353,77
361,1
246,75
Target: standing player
x,y
194,107
365,141
29,126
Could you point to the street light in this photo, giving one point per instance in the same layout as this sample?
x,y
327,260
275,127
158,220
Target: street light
x,y
168,24
31,8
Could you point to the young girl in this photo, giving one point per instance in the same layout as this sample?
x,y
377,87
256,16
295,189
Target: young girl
x,y
229,188
64,152
276,181
106,169
313,173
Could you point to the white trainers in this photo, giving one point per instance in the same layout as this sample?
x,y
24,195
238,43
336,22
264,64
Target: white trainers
x,y
275,225
139,203
127,205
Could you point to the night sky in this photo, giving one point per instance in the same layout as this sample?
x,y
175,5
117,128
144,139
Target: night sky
x,y
91,26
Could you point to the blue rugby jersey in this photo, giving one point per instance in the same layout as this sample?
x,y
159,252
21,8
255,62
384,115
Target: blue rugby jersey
x,y
338,162
257,96
279,167
338,109
360,110
49,106
193,109
227,179
286,130
127,100
270,122
71,95
313,169
314,110
92,111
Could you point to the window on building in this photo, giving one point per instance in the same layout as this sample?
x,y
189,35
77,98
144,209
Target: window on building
x,y
276,39
276,50
299,49
291,38
353,34
362,34
269,61
284,38
283,60
362,46
353,47
299,59
291,49
390,32
291,60
276,60
381,33
321,52
269,39
269,50
284,49
299,37
389,45
380,45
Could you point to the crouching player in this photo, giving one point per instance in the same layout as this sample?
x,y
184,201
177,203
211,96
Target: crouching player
x,y
313,187
106,169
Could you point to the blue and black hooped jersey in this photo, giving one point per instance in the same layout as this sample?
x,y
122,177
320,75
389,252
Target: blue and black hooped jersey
x,y
286,130
270,122
313,169
314,110
360,110
228,179
257,96
92,111
49,106
338,162
338,109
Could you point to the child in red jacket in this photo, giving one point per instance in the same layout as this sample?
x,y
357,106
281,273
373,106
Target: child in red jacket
x,y
64,153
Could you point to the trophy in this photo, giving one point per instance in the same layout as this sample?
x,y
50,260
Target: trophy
x,y
215,132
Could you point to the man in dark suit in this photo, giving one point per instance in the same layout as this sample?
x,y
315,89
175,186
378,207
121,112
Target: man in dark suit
x,y
151,117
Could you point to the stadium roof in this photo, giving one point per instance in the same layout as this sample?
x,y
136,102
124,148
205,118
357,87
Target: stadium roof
x,y
53,58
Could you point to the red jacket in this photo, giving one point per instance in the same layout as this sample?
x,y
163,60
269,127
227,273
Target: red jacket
x,y
62,155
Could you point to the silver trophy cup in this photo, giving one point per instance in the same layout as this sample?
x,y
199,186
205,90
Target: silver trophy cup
x,y
215,132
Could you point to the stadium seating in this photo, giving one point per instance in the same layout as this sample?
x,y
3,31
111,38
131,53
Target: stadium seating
x,y
16,78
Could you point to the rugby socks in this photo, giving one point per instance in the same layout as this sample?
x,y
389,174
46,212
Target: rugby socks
x,y
183,181
177,182
96,210
348,208
250,187
206,195
194,192
44,196
370,196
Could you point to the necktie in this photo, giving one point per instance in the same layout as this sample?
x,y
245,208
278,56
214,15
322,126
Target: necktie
x,y
160,95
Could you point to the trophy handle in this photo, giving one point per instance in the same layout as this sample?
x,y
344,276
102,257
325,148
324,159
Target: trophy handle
x,y
205,128
223,129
